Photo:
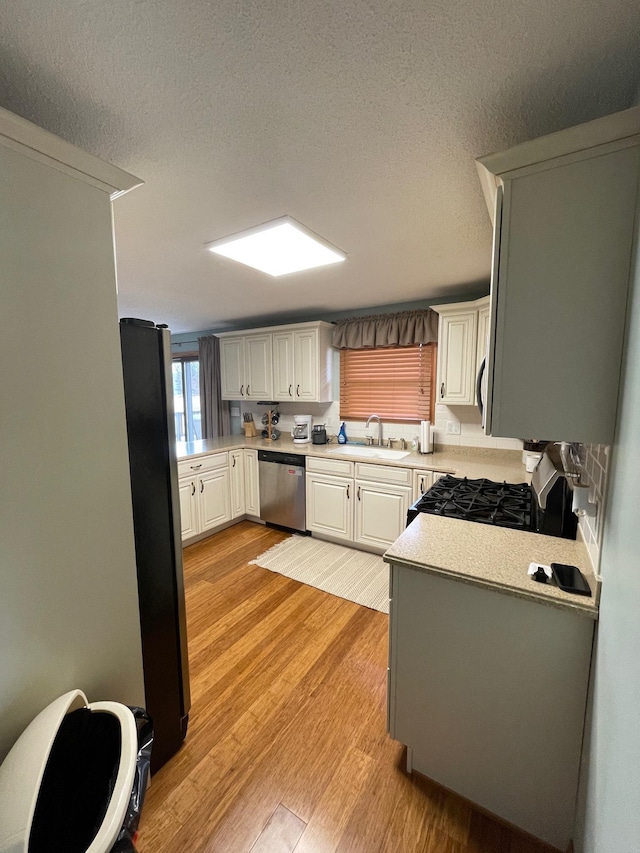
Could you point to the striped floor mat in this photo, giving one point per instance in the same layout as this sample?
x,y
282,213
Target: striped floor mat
x,y
354,575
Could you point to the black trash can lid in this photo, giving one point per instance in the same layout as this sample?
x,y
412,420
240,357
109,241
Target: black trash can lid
x,y
22,770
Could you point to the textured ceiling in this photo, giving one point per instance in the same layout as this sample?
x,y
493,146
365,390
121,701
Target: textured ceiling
x,y
359,118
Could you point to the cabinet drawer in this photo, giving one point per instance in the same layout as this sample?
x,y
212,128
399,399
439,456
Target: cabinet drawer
x,y
198,464
383,474
322,465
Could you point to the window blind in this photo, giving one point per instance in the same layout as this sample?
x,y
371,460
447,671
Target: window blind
x,y
396,383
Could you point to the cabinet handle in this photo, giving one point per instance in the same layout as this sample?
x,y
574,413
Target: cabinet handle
x,y
195,467
248,392
290,387
442,390
234,462
193,488
421,485
483,366
201,486
242,390
358,492
297,390
348,485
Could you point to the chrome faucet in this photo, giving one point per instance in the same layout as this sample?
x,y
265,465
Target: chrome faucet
x,y
377,417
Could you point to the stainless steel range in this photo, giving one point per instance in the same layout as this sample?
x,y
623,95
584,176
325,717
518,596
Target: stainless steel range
x,y
543,507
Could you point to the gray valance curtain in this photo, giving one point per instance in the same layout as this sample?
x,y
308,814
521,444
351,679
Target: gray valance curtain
x,y
214,410
404,329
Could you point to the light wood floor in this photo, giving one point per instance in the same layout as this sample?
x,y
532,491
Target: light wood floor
x,y
287,748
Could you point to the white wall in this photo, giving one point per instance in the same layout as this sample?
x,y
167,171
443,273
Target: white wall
x,y
68,596
610,790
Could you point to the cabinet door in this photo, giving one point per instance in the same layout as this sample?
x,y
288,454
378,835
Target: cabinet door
x,y
457,358
306,365
566,242
232,368
188,507
422,480
251,483
381,513
283,378
329,506
236,473
258,367
213,499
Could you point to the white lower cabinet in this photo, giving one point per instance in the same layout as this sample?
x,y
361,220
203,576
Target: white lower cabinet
x,y
204,491
251,483
236,474
381,513
214,499
423,480
188,507
217,489
329,506
368,508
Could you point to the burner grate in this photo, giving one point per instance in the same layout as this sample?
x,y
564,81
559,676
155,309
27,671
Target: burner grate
x,y
484,501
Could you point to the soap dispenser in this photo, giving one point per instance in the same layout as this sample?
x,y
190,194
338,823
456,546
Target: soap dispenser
x,y
342,435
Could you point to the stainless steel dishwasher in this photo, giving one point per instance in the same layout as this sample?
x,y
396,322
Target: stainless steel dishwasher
x,y
282,495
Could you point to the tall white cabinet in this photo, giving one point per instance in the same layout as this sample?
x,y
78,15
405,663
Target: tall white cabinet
x,y
69,605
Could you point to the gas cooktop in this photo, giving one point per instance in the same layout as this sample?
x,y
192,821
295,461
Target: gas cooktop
x,y
485,501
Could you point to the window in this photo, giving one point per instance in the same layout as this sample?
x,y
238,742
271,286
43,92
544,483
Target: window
x,y
186,397
396,383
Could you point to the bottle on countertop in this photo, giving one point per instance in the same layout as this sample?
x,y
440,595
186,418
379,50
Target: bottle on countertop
x,y
342,435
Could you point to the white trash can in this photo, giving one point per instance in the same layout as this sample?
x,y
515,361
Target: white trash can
x,y
67,783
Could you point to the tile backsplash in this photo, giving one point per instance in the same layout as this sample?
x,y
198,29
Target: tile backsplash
x,y
594,459
466,418
462,425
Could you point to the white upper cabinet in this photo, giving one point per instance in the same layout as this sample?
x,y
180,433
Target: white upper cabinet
x,y
306,364
283,363
461,348
258,367
246,367
232,368
283,376
563,241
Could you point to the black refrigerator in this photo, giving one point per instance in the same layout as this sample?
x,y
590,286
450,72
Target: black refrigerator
x,y
148,392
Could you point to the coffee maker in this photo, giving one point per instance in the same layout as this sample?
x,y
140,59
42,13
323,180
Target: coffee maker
x,y
301,432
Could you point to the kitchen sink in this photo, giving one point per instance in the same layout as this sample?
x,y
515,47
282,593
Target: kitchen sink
x,y
372,452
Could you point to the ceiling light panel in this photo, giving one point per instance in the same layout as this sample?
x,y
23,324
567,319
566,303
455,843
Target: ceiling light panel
x,y
278,248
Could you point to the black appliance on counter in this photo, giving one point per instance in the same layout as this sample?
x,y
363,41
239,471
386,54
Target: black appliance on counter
x,y
148,392
542,507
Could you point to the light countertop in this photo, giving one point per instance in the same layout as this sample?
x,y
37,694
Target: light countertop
x,y
472,462
493,558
